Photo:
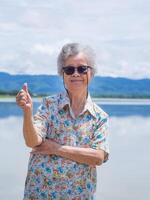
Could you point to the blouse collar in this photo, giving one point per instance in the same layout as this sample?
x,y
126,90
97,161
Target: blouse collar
x,y
89,105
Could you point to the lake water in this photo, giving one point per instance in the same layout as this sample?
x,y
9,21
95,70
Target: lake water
x,y
125,176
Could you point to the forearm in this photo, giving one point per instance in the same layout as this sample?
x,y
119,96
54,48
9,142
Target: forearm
x,y
82,155
30,132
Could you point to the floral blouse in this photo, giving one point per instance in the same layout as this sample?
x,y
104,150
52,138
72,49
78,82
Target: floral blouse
x,y
55,177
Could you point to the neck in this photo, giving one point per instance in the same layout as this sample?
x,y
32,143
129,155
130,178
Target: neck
x,y
78,101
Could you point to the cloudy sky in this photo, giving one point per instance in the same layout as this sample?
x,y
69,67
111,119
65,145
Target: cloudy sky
x,y
33,31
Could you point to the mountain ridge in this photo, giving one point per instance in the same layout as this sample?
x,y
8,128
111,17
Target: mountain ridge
x,y
100,86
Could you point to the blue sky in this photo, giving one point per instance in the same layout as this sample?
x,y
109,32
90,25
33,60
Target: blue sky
x,y
33,31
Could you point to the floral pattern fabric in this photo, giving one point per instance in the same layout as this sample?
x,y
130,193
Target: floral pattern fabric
x,y
55,177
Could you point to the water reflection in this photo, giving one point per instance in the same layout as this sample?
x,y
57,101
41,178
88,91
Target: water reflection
x,y
124,177
14,158
10,109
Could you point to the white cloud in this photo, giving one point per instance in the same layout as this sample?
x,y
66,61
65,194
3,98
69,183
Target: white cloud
x,y
43,49
8,26
34,32
34,18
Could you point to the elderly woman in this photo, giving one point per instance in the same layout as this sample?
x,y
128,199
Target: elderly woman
x,y
68,134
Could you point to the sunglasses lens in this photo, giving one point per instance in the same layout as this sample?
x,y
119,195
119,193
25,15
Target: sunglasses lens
x,y
69,70
82,69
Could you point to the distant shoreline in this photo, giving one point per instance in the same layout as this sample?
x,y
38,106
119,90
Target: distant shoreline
x,y
122,101
105,101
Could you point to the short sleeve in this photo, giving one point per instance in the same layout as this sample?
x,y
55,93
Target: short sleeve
x,y
40,119
100,138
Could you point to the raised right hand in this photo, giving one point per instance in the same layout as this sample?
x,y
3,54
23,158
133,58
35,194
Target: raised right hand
x,y
23,99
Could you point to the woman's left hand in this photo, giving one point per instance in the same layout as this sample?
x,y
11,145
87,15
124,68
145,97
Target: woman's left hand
x,y
47,147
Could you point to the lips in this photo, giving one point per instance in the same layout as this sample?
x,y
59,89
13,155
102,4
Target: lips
x,y
76,80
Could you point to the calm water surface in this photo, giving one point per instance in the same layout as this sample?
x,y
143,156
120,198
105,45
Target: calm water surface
x,y
125,176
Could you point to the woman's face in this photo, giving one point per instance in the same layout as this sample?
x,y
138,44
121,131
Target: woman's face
x,y
77,82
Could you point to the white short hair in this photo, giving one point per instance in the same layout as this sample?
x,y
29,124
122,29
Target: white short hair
x,y
72,49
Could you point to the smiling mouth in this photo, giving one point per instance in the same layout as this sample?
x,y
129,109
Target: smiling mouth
x,y
76,80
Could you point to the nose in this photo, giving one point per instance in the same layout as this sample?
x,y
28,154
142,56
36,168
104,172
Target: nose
x,y
76,74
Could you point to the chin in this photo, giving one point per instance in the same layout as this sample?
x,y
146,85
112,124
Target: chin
x,y
77,88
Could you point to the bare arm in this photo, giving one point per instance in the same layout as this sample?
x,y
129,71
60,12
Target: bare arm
x,y
79,154
82,155
31,136
30,132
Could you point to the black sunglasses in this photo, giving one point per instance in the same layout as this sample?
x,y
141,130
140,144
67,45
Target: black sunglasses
x,y
69,70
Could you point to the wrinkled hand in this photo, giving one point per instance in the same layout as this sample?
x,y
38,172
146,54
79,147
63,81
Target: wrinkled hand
x,y
48,147
23,98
